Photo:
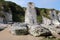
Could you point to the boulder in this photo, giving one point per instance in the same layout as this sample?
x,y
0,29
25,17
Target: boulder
x,y
2,26
18,29
53,29
37,30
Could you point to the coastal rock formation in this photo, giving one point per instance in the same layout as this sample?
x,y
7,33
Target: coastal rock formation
x,y
53,29
30,15
6,17
53,14
3,26
54,18
58,16
1,20
31,21
46,21
30,25
18,28
37,30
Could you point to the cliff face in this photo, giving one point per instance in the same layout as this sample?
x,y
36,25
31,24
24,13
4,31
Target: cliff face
x,y
53,18
18,12
10,11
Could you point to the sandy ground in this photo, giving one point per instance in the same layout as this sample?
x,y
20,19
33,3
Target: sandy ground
x,y
6,35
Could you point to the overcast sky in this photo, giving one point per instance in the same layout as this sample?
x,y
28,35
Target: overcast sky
x,y
39,3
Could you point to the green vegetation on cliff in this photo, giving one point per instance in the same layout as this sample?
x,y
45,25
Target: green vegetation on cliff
x,y
18,12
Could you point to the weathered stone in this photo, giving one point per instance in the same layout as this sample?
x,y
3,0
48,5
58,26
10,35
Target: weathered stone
x,y
19,28
52,28
53,14
37,30
2,26
58,16
54,18
7,17
46,21
1,20
55,22
30,15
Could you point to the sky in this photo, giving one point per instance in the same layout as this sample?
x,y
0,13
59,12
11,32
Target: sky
x,y
39,3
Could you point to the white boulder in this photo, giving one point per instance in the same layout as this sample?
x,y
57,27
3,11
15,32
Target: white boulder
x,y
18,28
37,30
2,26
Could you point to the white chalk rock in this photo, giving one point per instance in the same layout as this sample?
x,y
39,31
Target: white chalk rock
x,y
58,16
19,28
46,21
2,26
53,14
55,22
37,30
30,14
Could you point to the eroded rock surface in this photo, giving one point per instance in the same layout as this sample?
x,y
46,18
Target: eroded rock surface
x,y
37,30
19,28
